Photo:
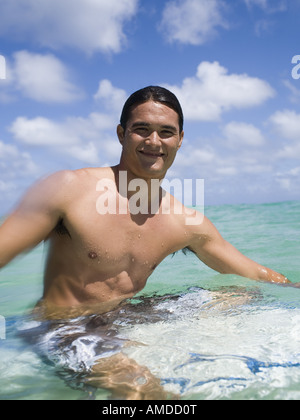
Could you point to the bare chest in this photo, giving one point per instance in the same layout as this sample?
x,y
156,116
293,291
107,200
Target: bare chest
x,y
116,243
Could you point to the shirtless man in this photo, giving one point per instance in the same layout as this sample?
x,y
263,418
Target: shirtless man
x,y
96,259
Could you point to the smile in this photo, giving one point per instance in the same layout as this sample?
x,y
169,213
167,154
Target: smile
x,y
149,153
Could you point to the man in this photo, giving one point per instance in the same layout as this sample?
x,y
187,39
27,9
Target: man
x,y
96,260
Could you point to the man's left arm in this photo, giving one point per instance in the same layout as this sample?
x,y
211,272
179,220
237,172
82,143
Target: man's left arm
x,y
220,255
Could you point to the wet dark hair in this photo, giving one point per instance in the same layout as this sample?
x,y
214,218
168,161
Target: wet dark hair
x,y
151,93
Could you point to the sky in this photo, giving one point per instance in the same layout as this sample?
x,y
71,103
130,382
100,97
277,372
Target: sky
x,y
233,64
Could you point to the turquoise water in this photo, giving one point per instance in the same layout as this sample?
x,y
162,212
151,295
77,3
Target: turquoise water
x,y
206,335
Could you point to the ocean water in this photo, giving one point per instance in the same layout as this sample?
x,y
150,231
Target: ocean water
x,y
206,336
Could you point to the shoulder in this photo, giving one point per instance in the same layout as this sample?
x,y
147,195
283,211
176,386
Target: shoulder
x,y
58,183
89,174
71,180
192,219
68,185
54,191
197,227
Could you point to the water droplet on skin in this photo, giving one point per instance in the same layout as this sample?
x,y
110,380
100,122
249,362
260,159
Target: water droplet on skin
x,y
141,380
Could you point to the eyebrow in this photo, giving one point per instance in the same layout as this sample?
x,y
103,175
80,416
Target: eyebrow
x,y
145,124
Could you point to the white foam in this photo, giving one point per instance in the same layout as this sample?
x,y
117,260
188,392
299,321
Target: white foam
x,y
215,354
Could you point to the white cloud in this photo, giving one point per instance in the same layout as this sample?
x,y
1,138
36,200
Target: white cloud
x,y
40,77
242,134
235,155
7,94
78,137
289,180
269,6
192,21
15,163
7,187
192,156
41,131
219,167
290,151
226,171
112,97
263,26
43,78
91,140
287,124
89,25
85,153
295,92
17,171
213,91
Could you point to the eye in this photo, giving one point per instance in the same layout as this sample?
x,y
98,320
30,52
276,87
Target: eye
x,y
166,133
142,131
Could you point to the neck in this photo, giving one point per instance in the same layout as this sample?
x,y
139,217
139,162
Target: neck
x,y
145,190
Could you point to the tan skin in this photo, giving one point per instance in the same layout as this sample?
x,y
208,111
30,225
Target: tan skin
x,y
100,260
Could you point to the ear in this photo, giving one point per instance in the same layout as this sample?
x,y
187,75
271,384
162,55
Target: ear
x,y
120,133
180,140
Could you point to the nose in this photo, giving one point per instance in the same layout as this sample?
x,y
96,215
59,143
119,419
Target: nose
x,y
153,139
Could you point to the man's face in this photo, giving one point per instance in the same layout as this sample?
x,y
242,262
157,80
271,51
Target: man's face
x,y
150,141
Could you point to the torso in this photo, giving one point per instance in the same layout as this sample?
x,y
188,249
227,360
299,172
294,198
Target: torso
x,y
97,258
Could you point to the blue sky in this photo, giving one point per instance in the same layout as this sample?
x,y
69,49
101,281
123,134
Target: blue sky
x,y
70,64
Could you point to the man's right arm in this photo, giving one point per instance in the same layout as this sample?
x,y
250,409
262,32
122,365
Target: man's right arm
x,y
35,217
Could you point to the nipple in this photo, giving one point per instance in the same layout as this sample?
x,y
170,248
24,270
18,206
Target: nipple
x,y
93,255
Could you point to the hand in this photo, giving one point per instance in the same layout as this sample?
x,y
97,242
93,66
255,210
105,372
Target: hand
x,y
290,284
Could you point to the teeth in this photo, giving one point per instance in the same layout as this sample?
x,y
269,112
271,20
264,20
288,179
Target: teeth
x,y
151,153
